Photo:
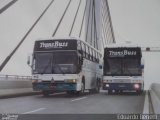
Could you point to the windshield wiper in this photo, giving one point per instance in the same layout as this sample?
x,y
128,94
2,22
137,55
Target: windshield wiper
x,y
45,68
118,71
127,70
60,69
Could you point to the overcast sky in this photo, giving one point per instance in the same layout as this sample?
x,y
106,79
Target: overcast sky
x,y
136,21
133,20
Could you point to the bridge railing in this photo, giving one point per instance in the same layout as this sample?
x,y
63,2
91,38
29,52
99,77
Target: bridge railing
x,y
15,85
155,97
14,77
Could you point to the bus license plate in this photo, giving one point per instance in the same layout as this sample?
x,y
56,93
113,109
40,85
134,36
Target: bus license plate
x,y
121,85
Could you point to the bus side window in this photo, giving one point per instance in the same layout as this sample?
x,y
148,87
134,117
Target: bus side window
x,y
83,49
90,53
79,46
87,52
94,55
98,57
80,50
34,63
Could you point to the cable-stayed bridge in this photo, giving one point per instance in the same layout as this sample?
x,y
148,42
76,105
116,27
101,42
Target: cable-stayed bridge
x,y
25,21
74,18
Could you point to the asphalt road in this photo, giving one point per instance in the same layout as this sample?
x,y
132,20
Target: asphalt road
x,y
67,104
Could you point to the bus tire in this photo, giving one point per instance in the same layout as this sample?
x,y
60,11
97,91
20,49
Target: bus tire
x,y
109,92
82,87
139,92
45,93
69,92
117,91
81,92
121,91
97,86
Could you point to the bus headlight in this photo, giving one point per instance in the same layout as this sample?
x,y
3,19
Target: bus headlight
x,y
34,81
136,86
107,85
71,80
105,81
35,76
137,81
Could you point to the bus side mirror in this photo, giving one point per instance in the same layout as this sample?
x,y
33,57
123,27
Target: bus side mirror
x,y
80,60
142,66
80,63
29,61
100,66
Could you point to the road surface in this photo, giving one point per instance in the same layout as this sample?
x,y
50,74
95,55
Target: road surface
x,y
66,104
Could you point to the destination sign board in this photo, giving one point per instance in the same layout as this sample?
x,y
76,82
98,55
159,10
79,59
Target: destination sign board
x,y
49,45
123,52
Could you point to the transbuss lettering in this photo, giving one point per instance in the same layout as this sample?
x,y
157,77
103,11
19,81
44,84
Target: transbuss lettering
x,y
53,45
122,53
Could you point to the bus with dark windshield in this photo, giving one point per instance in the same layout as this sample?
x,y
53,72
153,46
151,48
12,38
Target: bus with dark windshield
x,y
123,69
67,64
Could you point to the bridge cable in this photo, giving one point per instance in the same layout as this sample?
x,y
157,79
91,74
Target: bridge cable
x,y
75,17
92,24
61,18
104,38
111,26
88,21
25,36
7,6
103,42
104,26
95,37
83,18
94,30
95,24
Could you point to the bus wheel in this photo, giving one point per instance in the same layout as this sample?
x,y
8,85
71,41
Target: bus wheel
x,y
117,91
98,86
139,92
69,92
109,92
121,91
45,93
82,87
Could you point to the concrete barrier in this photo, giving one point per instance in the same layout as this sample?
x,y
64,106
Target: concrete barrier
x,y
15,86
155,97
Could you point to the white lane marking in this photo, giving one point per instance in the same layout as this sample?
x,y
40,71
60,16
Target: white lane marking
x,y
78,99
146,104
61,93
33,111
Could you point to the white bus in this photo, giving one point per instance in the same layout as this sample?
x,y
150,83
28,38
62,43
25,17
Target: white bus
x,y
123,69
65,64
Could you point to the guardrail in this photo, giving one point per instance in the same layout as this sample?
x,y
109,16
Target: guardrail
x,y
13,85
155,97
14,77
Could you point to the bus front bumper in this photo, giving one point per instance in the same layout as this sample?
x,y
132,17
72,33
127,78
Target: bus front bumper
x,y
122,86
56,87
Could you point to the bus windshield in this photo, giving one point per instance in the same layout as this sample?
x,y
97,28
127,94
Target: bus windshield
x,y
122,67
55,63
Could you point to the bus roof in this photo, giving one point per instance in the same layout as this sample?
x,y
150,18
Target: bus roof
x,y
58,38
67,38
122,46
